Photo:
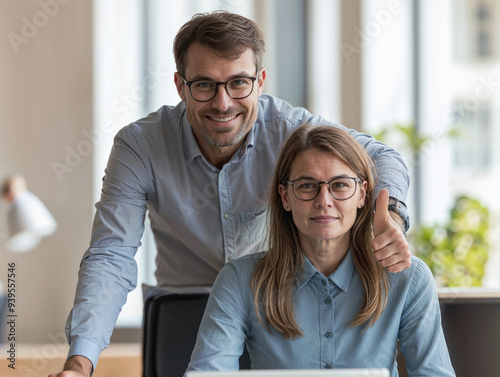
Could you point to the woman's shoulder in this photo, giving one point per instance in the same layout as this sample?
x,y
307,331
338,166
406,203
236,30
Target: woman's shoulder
x,y
247,262
421,269
416,276
418,266
236,275
242,266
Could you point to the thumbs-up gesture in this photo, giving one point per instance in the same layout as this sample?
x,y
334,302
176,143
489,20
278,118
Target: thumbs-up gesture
x,y
389,245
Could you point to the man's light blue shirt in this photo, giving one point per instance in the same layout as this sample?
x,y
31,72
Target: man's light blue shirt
x,y
324,308
201,216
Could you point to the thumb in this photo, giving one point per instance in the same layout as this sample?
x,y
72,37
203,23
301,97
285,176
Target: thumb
x,y
381,212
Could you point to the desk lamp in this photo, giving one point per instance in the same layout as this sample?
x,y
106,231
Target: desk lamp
x,y
28,219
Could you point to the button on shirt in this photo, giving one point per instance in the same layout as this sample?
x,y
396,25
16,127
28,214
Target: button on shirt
x,y
201,216
324,308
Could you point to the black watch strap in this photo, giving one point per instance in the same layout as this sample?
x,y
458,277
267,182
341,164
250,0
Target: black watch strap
x,y
399,207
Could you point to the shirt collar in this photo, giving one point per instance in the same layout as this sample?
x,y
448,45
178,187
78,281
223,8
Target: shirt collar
x,y
190,146
341,276
192,150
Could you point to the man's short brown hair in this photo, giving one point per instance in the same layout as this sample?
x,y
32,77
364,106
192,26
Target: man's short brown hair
x,y
227,34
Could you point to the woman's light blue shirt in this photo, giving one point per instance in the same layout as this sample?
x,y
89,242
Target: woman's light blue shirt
x,y
324,308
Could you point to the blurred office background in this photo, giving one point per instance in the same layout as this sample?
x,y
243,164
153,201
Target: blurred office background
x,y
72,73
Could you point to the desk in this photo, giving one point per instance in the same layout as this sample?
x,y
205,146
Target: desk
x,y
38,360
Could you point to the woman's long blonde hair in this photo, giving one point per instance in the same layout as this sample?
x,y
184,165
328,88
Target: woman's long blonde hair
x,y
278,272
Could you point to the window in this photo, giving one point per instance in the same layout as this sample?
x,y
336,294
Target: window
x,y
475,24
449,91
472,149
464,162
134,68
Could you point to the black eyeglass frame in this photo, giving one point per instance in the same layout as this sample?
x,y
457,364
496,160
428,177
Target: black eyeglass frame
x,y
217,84
356,180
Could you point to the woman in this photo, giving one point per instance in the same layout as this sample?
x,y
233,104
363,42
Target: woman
x,y
317,298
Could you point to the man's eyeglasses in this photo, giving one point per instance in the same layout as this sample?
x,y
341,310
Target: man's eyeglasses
x,y
205,90
340,188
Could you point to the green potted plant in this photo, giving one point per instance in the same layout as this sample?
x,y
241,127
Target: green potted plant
x,y
456,250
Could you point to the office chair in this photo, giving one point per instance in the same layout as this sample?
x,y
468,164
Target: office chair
x,y
171,324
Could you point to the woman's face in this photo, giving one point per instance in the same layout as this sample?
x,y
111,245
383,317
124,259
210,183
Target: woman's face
x,y
323,218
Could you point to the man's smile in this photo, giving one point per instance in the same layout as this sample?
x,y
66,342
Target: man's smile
x,y
221,119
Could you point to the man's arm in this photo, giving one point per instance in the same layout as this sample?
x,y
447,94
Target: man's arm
x,y
392,172
108,270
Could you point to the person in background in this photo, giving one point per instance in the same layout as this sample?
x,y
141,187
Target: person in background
x,y
201,169
318,298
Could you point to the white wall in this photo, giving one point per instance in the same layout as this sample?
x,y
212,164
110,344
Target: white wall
x,y
45,103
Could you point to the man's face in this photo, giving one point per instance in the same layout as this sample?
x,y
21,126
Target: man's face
x,y
222,123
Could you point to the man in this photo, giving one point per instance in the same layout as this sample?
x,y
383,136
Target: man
x,y
201,169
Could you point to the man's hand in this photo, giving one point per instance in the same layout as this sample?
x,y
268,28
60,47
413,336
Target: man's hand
x,y
76,366
390,245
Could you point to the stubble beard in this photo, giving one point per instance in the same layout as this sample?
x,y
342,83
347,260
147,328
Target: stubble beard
x,y
214,140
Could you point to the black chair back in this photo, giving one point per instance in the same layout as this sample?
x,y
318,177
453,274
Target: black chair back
x,y
171,325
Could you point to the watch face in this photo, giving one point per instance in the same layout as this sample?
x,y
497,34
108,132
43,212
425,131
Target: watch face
x,y
395,203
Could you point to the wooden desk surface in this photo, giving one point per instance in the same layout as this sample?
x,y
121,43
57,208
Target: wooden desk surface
x,y
38,360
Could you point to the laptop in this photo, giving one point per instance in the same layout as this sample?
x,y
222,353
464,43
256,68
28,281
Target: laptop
x,y
382,372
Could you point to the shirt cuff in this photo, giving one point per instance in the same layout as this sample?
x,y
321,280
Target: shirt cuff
x,y
85,347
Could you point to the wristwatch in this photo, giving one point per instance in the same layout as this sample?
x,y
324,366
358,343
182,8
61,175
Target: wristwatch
x,y
398,207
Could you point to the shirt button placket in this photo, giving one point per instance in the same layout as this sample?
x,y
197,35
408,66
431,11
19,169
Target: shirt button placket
x,y
328,335
225,199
